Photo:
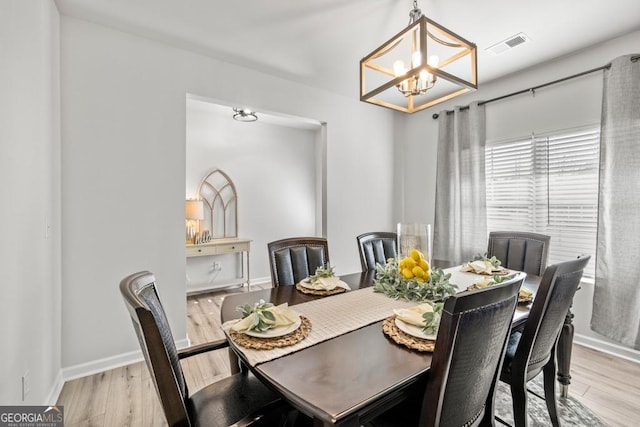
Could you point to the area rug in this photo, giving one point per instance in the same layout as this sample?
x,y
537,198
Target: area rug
x,y
570,411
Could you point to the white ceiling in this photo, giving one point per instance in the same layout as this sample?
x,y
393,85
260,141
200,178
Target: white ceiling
x,y
320,42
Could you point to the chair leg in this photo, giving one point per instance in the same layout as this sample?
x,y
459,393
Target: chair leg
x,y
519,397
549,374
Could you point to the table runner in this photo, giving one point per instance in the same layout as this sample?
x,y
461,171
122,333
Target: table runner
x,y
338,314
330,317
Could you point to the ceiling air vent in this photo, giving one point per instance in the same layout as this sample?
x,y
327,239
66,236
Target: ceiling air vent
x,y
507,44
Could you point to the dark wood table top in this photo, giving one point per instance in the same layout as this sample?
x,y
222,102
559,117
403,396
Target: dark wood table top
x,y
342,380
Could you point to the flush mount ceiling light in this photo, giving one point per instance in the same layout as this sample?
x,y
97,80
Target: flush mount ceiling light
x,y
244,115
441,66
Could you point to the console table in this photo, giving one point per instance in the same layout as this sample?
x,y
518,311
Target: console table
x,y
225,246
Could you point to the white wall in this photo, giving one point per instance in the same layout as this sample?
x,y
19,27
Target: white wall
x,y
123,178
566,105
273,167
30,191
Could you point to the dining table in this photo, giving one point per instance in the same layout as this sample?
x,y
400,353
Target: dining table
x,y
346,370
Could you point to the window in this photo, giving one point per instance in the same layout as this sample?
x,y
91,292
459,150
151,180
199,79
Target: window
x,y
547,184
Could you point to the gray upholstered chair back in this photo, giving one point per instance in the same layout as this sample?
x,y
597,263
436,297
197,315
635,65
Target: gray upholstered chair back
x,y
152,328
468,355
553,299
520,251
294,259
533,350
376,248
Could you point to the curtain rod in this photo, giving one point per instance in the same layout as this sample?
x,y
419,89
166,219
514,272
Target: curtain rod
x,y
533,89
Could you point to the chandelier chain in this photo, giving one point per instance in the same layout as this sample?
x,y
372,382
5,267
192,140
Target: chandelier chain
x,y
415,13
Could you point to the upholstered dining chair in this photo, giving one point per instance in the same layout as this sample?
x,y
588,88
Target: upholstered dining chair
x,y
469,349
294,259
533,350
240,398
376,248
519,250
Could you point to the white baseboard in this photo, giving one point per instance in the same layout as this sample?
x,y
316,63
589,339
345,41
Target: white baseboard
x,y
211,287
52,397
101,365
261,281
607,347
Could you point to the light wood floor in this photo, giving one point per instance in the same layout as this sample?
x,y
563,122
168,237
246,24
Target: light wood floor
x,y
126,396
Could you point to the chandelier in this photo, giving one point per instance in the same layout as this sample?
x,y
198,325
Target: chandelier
x,y
440,65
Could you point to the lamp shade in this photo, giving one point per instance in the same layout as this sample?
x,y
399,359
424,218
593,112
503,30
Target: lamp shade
x,y
194,209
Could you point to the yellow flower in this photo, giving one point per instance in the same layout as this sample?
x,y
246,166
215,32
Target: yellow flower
x,y
407,273
414,267
416,255
409,263
417,271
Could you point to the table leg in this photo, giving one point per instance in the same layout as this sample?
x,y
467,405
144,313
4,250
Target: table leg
x,y
565,344
234,362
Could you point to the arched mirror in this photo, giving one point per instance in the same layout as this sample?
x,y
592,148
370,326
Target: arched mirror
x,y
220,205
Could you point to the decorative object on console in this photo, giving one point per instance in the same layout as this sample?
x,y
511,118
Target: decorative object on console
x,y
244,115
193,211
202,237
435,54
220,198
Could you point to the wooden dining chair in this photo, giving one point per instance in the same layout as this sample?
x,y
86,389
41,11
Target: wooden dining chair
x,y
376,248
469,349
294,259
240,398
533,350
519,250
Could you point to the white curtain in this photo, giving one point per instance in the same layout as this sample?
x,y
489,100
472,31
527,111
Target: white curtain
x,y
616,300
460,224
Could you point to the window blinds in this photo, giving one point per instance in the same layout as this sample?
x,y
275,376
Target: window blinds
x,y
547,184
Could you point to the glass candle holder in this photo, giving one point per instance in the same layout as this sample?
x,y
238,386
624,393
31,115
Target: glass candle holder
x,y
414,236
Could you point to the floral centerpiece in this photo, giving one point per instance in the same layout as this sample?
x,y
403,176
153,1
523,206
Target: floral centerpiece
x,y
411,278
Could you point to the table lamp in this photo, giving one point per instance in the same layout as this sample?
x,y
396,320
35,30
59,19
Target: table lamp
x,y
193,211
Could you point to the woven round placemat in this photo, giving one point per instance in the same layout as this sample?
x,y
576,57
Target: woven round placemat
x,y
391,330
319,292
256,343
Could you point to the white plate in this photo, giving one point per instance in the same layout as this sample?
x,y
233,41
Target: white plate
x,y
308,285
276,332
414,330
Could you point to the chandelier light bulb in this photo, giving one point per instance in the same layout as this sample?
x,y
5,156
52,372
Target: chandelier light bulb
x,y
433,61
416,59
398,68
